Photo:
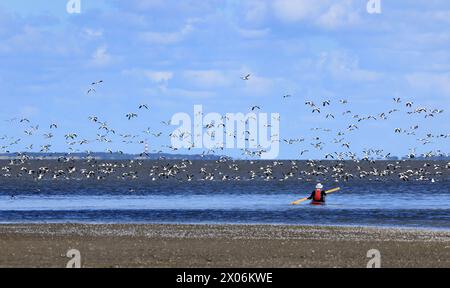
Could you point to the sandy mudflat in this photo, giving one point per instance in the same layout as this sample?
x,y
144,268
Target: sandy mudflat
x,y
219,246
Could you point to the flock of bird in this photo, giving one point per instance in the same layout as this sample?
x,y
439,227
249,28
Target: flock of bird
x,y
224,169
341,165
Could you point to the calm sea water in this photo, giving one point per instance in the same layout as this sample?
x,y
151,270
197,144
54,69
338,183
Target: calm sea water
x,y
415,204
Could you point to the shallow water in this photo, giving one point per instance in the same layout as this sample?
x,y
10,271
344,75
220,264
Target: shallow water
x,y
410,204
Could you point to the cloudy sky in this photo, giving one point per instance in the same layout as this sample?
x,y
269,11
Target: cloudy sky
x,y
173,54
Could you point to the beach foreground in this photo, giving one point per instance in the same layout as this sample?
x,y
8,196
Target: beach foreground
x,y
130,245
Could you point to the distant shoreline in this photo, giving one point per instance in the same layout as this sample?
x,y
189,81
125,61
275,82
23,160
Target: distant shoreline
x,y
169,156
167,245
106,156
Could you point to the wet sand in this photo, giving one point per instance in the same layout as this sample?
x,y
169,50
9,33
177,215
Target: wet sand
x,y
221,246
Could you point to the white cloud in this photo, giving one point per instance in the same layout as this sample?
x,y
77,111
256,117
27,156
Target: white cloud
x,y
148,4
430,82
298,10
254,33
257,85
92,33
433,16
256,11
324,13
162,38
207,78
101,57
339,15
28,111
154,76
345,67
24,40
176,93
167,38
159,76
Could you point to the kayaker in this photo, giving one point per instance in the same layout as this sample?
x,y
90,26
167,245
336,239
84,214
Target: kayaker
x,y
318,195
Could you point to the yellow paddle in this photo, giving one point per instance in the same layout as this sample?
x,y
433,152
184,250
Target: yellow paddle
x,y
306,198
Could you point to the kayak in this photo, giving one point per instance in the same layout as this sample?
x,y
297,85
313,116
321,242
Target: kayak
x,y
317,203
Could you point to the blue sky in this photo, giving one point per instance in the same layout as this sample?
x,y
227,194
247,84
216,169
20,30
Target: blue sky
x,y
172,55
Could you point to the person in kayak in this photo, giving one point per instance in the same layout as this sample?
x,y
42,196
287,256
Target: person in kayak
x,y
318,195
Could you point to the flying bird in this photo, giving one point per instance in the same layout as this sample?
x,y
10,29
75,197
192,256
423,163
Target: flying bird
x,y
246,77
131,116
256,107
97,82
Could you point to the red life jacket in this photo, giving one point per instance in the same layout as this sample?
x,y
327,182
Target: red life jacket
x,y
317,195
